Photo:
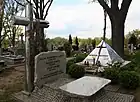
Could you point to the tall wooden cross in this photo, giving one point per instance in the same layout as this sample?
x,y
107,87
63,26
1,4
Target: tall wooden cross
x,y
28,21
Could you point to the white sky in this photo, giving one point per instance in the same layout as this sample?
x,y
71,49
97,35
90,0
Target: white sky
x,y
85,20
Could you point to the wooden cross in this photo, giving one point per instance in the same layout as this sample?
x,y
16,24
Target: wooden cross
x,y
28,21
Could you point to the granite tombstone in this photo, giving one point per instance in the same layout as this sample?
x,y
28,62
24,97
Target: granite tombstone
x,y
48,66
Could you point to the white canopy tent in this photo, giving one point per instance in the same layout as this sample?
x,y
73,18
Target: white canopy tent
x,y
107,55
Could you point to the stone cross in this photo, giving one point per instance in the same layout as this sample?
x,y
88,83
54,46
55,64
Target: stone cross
x,y
28,21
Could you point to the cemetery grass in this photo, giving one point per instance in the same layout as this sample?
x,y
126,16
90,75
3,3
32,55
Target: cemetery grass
x,y
11,81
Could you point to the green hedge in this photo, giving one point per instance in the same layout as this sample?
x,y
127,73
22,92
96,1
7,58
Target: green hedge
x,y
129,67
69,63
112,74
67,47
129,79
80,57
76,71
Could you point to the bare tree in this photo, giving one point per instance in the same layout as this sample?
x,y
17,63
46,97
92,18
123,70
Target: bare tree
x,y
11,8
41,12
41,9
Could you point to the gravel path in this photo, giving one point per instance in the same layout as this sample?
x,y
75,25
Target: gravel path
x,y
51,93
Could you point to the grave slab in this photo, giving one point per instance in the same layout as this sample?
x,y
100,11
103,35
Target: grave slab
x,y
85,86
12,59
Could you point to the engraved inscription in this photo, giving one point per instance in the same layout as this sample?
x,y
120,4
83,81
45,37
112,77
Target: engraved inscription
x,y
48,65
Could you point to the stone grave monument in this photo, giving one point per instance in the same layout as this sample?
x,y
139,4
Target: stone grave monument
x,y
48,66
12,59
21,46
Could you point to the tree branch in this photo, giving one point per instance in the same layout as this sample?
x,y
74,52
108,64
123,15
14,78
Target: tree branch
x,y
3,36
48,9
46,4
124,7
114,4
41,9
35,1
36,12
105,6
28,1
19,3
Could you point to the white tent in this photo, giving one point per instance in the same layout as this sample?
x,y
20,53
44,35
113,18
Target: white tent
x,y
107,55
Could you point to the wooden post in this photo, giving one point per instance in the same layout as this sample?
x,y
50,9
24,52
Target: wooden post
x,y
29,38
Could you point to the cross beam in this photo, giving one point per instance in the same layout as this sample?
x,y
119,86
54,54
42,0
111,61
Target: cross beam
x,y
24,21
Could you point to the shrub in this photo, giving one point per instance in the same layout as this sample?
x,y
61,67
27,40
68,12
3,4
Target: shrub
x,y
69,63
136,57
67,48
112,74
130,67
76,71
129,79
80,57
74,47
127,55
61,48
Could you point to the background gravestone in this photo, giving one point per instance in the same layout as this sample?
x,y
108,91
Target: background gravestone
x,y
20,51
49,66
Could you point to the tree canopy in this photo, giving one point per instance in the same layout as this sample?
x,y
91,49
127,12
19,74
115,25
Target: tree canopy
x,y
70,39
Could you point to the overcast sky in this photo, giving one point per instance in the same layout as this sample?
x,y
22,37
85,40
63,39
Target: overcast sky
x,y
79,18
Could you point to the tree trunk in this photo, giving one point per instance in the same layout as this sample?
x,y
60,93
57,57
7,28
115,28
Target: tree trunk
x,y
117,17
42,40
13,38
37,41
105,15
1,23
117,26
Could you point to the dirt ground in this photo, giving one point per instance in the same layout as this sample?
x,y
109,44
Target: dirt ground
x,y
11,80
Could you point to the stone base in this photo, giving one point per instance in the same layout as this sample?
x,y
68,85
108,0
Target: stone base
x,y
125,63
26,93
113,88
51,93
